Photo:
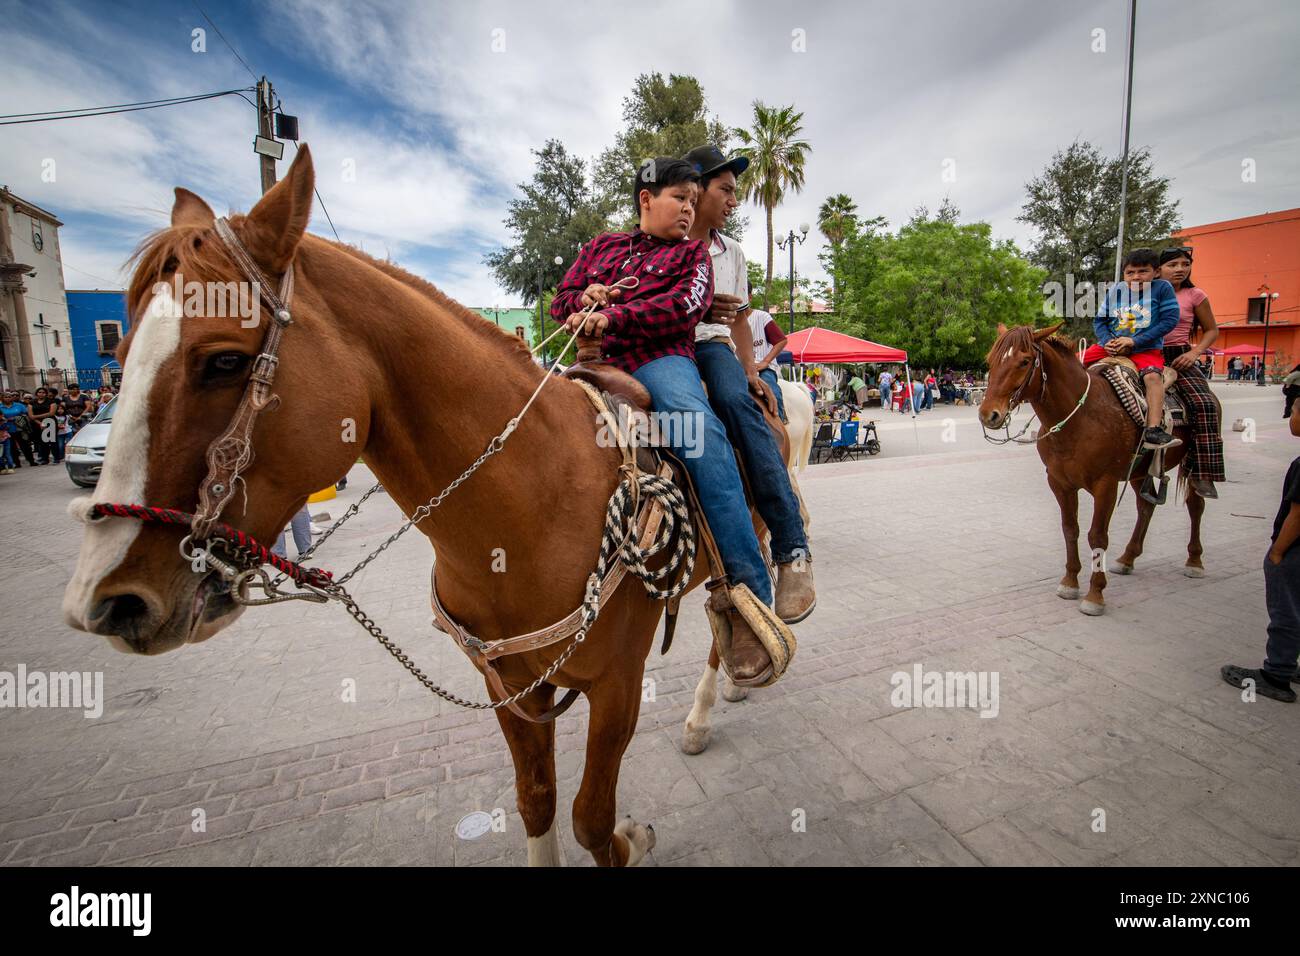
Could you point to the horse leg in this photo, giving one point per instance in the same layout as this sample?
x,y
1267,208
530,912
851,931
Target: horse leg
x,y
1195,508
1068,499
532,748
614,708
1103,503
695,735
1134,548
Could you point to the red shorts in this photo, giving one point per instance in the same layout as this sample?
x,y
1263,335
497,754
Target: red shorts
x,y
1155,358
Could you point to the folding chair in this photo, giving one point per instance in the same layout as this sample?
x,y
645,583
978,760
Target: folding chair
x,y
847,444
821,442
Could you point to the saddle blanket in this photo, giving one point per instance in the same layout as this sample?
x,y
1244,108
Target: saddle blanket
x,y
1132,395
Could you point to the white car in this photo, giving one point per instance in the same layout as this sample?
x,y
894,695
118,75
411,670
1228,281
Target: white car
x,y
84,455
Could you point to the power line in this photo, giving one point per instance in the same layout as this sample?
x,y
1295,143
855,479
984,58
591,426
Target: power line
x,y
322,205
224,40
15,119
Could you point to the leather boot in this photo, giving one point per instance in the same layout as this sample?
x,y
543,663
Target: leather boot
x,y
796,596
746,659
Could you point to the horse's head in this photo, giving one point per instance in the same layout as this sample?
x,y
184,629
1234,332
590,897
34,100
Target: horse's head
x,y
1012,365
197,326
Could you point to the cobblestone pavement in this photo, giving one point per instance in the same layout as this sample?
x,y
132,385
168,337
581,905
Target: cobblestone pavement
x,y
947,558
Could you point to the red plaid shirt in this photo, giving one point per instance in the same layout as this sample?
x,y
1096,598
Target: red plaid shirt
x,y
658,317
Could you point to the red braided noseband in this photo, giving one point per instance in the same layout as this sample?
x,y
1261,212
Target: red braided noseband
x,y
300,575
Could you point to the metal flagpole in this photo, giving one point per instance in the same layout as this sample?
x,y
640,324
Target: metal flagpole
x,y
1128,116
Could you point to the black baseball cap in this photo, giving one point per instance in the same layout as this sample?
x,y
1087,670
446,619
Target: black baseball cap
x,y
708,161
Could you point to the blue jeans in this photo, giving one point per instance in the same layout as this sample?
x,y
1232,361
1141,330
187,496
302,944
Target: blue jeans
x,y
1282,597
769,481
886,396
768,375
674,385
301,526
7,454
927,402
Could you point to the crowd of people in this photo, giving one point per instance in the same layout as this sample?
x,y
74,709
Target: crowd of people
x,y
1239,371
38,425
894,394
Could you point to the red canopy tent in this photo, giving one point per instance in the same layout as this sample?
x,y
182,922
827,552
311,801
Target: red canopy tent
x,y
1243,349
824,345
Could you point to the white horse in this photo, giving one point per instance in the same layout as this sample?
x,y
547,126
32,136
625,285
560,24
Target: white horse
x,y
800,413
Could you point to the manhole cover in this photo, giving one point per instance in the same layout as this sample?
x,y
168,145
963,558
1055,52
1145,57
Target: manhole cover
x,y
473,825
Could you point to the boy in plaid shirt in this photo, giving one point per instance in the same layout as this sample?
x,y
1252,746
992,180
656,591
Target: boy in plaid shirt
x,y
649,332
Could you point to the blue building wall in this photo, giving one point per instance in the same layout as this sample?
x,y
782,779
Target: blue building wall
x,y
84,310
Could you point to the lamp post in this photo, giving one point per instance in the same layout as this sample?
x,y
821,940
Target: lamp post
x,y
1262,378
790,240
541,322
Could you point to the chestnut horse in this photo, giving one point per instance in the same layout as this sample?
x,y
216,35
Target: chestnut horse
x,y
360,328
1091,451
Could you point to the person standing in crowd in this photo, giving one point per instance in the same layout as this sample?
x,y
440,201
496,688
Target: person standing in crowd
x,y
1281,594
918,394
6,449
76,405
1291,390
886,389
931,383
41,413
1206,465
300,524
769,342
19,428
105,396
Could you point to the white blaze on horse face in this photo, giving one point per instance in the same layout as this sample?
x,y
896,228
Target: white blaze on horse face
x,y
106,541
1007,357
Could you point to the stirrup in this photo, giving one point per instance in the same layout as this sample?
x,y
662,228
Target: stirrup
x,y
1149,491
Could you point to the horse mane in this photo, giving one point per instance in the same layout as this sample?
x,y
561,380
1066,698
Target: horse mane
x,y
195,250
1022,336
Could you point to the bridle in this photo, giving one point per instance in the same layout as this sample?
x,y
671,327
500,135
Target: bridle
x,y
1017,398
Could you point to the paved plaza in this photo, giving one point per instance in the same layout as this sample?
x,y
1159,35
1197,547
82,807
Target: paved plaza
x,y
1114,742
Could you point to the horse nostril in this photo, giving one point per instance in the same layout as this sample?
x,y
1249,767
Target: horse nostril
x,y
122,612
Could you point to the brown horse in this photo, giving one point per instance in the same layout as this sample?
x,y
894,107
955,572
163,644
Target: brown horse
x,y
360,328
1091,451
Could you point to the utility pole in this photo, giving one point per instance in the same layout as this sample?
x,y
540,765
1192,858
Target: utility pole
x,y
1128,117
265,128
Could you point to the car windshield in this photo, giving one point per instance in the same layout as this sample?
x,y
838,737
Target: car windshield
x,y
105,414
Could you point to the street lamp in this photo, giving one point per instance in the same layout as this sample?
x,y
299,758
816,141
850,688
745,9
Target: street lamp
x,y
541,322
782,243
1262,378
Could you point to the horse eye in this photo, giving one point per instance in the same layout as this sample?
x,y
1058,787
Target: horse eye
x,y
224,365
1024,361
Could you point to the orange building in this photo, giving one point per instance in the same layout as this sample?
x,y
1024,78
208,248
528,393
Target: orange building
x,y
1240,262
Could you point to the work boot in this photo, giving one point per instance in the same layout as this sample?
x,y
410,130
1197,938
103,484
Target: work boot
x,y
749,658
796,595
1204,488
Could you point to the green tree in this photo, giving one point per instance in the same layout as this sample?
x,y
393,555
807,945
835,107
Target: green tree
x,y
838,221
1074,206
558,211
938,290
776,162
662,117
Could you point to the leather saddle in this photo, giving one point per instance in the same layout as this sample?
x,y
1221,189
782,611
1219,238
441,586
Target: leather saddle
x,y
1122,375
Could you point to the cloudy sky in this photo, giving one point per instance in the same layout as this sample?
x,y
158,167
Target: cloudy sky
x,y
437,105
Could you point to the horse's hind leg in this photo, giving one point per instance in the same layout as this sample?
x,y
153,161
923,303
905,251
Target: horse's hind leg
x,y
1068,499
1134,548
1103,503
615,704
1195,508
695,735
532,747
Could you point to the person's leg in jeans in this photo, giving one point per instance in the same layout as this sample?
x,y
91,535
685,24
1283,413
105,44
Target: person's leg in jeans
x,y
1282,595
7,453
768,375
769,481
301,526
674,385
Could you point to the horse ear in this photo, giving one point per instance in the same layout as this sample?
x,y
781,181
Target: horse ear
x,y
275,226
190,210
1002,328
1040,334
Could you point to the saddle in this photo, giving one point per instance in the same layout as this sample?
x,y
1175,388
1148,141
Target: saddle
x,y
1123,376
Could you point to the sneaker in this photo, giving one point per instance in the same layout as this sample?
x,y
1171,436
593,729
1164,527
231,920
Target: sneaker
x,y
1236,676
1156,438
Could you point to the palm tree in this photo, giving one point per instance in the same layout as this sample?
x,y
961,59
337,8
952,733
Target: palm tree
x,y
776,159
837,219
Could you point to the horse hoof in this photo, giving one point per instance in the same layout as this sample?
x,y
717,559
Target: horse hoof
x,y
696,741
1091,609
1070,594
1193,572
1123,568
640,839
732,693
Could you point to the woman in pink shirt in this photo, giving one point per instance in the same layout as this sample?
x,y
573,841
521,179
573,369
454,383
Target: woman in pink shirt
x,y
1205,456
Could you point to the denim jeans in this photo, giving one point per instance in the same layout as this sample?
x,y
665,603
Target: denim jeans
x,y
769,481
301,526
1282,596
674,385
886,397
768,375
7,454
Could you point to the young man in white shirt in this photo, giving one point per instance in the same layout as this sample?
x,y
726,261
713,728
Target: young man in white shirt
x,y
728,371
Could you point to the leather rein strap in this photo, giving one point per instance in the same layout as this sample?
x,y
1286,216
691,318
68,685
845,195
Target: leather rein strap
x,y
231,453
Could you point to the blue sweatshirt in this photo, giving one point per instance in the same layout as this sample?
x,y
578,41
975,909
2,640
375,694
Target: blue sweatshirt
x,y
1146,314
